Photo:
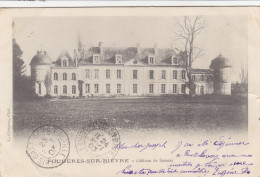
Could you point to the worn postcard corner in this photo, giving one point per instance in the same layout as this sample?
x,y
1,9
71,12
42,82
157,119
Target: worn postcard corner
x,y
130,92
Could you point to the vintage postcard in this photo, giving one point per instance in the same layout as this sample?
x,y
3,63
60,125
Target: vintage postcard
x,y
144,91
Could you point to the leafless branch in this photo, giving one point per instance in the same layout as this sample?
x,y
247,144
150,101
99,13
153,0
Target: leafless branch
x,y
186,26
187,31
197,54
182,28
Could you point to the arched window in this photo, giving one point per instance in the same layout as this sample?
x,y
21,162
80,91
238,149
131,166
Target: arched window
x,y
55,89
64,76
64,89
202,90
56,76
74,76
193,78
202,77
73,89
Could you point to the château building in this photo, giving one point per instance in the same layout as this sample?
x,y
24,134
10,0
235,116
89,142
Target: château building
x,y
132,71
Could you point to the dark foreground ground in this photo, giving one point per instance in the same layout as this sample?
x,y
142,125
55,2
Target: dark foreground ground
x,y
207,113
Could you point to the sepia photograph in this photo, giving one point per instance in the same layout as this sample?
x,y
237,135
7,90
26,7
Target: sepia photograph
x,y
185,73
113,92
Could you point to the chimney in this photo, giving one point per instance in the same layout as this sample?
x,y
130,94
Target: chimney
x,y
100,47
155,49
138,48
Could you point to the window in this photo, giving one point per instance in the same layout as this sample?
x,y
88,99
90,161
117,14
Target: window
x,y
96,88
56,76
96,71
73,89
183,74
183,88
118,59
134,74
174,88
174,61
150,88
96,59
174,74
64,76
55,89
202,90
151,74
209,78
202,78
163,88
223,88
108,73
163,74
107,88
118,88
118,74
74,76
193,78
151,60
64,63
40,88
64,89
88,74
87,88
134,88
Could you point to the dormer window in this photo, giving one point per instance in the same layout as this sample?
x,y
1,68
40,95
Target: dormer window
x,y
118,59
151,60
96,59
174,60
64,61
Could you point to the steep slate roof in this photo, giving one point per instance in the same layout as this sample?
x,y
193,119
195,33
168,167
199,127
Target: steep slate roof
x,y
163,56
65,53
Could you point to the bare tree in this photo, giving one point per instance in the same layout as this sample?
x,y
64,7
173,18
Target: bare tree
x,y
240,87
243,74
187,32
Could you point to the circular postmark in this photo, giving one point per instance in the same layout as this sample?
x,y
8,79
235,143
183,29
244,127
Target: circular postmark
x,y
48,146
97,142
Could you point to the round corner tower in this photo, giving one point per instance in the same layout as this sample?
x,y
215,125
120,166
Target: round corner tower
x,y
221,75
40,72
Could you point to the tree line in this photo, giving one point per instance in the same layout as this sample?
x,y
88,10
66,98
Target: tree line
x,y
22,86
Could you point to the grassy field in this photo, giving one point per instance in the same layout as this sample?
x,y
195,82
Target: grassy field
x,y
178,113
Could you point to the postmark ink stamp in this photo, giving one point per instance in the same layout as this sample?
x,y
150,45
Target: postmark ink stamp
x,y
48,146
96,142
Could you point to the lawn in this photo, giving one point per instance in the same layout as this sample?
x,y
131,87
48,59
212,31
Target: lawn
x,y
207,113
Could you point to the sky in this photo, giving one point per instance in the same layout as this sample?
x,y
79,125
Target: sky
x,y
224,34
